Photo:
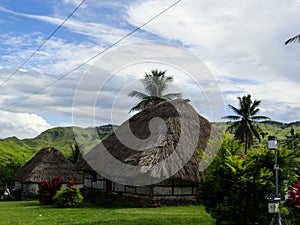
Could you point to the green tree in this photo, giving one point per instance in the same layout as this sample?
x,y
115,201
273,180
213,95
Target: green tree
x,y
235,188
7,171
243,125
155,84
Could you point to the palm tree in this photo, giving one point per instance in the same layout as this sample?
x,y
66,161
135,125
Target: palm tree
x,y
76,154
243,125
155,83
293,39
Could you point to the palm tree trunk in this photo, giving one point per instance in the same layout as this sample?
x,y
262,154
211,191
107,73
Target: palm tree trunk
x,y
246,141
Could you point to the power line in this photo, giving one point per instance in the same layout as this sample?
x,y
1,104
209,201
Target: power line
x,y
38,49
93,57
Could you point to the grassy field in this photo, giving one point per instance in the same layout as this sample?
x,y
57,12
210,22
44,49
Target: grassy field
x,y
32,213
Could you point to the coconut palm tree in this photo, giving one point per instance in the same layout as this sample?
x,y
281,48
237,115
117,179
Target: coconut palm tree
x,y
293,39
76,154
155,84
244,121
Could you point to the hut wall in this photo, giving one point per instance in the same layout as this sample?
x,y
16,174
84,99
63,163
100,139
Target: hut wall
x,y
168,189
183,191
87,182
92,180
87,179
18,185
143,190
160,190
118,188
100,184
34,187
31,187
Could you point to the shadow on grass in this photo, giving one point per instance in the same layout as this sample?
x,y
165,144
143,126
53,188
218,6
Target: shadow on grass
x,y
151,221
29,203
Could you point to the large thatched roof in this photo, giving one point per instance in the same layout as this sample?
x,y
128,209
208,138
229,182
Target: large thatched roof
x,y
46,164
175,114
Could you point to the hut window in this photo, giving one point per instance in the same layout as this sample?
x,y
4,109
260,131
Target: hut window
x,y
94,176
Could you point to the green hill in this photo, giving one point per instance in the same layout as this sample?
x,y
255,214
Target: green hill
x,y
20,151
280,130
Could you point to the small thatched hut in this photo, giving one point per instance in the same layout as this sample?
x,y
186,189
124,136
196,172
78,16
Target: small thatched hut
x,y
46,164
174,139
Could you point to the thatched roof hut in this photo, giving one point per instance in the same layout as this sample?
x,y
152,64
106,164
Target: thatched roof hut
x,y
149,161
46,164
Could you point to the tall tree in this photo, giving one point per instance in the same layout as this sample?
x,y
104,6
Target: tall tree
x,y
76,154
155,84
243,125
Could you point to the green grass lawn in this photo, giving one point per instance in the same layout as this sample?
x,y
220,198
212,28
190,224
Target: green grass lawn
x,y
32,213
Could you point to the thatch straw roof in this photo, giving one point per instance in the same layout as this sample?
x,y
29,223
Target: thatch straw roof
x,y
181,123
46,164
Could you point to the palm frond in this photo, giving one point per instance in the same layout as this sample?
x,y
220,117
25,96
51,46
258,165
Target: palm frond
x,y
233,126
156,82
293,39
254,112
172,96
137,94
140,106
236,110
231,117
253,108
260,118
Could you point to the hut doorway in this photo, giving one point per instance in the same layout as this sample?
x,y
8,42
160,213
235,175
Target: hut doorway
x,y
108,186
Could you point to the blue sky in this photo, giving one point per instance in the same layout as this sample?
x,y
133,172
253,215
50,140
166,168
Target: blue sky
x,y
241,46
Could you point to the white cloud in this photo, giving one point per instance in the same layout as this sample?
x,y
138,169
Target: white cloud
x,y
242,39
21,125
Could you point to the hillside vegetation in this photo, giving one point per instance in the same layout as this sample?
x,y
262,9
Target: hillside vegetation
x,y
15,150
20,151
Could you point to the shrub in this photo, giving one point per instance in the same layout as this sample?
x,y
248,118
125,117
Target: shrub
x,y
236,186
69,196
293,201
48,189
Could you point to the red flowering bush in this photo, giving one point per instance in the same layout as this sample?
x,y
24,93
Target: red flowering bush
x,y
48,189
294,195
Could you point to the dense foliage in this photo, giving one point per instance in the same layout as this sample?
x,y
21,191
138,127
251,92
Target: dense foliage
x,y
7,172
48,189
69,196
236,187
